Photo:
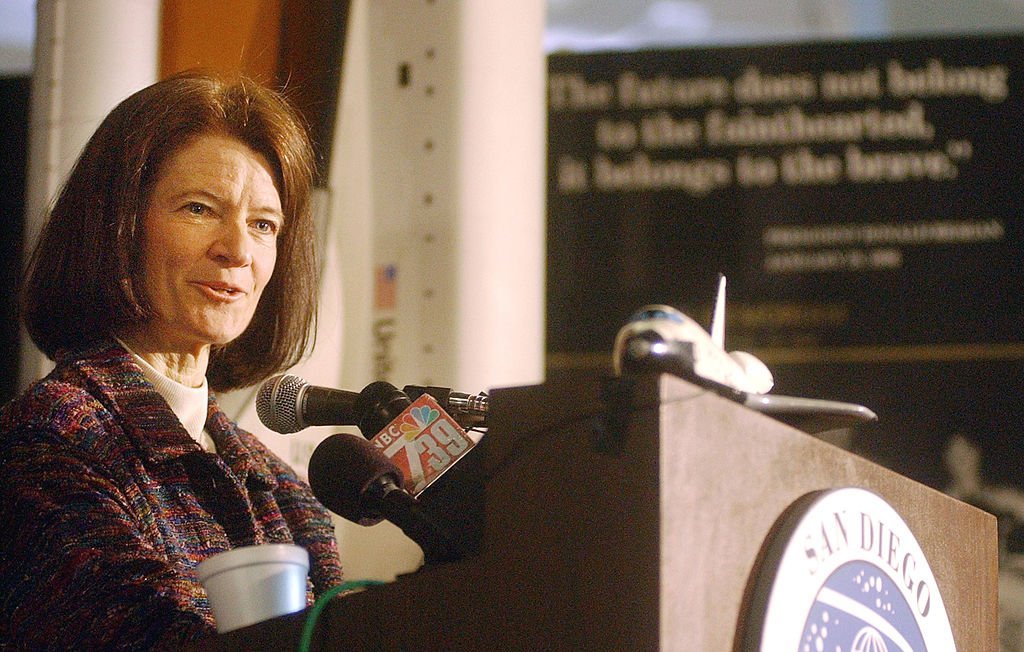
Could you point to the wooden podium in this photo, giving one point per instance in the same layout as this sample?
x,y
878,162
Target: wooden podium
x,y
634,518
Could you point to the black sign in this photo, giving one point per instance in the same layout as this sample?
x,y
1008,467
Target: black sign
x,y
862,198
854,194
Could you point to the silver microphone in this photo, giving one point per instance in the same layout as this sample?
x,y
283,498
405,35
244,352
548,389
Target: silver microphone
x,y
287,403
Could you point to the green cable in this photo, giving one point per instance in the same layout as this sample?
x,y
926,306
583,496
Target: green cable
x,y
314,612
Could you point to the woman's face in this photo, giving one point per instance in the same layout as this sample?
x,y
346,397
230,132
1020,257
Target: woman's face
x,y
210,244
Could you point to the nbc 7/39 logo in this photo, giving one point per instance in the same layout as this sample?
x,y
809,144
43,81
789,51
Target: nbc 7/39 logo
x,y
423,442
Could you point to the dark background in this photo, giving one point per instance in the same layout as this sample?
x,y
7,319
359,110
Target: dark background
x,y
14,103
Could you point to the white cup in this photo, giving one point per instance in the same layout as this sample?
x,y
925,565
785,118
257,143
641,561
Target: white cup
x,y
255,583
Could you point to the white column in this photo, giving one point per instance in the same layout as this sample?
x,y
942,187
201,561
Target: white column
x,y
437,182
457,158
501,154
90,54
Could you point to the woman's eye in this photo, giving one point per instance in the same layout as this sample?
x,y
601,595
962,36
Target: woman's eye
x,y
195,208
266,226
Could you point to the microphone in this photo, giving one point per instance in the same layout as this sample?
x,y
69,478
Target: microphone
x,y
381,402
428,454
378,405
287,404
356,481
419,436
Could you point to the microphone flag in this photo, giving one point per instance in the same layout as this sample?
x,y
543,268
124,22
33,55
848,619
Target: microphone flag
x,y
424,442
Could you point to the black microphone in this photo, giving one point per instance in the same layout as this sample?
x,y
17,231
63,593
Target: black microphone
x,y
287,404
456,496
387,421
378,405
359,483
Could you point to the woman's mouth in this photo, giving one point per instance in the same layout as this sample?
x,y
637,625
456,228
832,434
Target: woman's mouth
x,y
222,291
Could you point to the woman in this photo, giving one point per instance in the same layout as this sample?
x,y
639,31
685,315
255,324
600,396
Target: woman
x,y
178,259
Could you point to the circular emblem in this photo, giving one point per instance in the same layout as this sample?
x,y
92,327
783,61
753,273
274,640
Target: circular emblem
x,y
845,573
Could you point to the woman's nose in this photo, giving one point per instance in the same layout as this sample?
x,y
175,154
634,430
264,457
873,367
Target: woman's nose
x,y
232,245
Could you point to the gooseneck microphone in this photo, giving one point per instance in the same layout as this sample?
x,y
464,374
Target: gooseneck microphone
x,y
359,483
287,403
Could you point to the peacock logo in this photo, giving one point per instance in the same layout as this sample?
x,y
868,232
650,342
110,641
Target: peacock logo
x,y
416,421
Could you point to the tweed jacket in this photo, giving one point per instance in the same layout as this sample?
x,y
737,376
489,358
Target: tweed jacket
x,y
107,506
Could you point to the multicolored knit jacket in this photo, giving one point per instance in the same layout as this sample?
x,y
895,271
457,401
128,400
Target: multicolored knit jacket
x,y
107,506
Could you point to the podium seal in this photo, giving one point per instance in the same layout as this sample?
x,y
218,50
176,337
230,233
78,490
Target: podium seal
x,y
843,572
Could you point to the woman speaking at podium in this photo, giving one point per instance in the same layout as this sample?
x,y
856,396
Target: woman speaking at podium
x,y
177,260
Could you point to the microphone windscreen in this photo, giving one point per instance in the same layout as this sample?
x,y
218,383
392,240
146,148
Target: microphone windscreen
x,y
277,403
342,468
377,405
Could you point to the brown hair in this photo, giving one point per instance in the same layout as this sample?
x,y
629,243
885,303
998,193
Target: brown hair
x,y
85,276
